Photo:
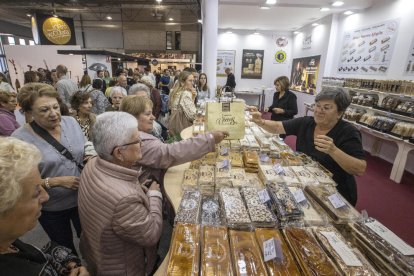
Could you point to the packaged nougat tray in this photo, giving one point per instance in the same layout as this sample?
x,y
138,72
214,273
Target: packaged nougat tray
x,y
246,254
386,244
236,159
206,179
259,213
189,209
254,180
321,176
305,177
341,215
289,175
284,264
349,260
235,145
309,254
268,174
211,212
215,253
209,159
190,179
235,212
285,204
195,164
313,214
238,177
184,250
251,161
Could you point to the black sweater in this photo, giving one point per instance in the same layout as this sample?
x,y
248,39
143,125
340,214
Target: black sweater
x,y
287,103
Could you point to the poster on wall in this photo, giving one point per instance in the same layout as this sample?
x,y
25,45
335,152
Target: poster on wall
x,y
98,62
304,74
252,64
368,51
49,30
409,65
225,59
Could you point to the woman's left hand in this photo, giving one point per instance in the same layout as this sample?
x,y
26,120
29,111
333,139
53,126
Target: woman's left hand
x,y
324,144
278,110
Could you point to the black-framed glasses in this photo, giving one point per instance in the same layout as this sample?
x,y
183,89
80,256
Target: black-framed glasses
x,y
139,141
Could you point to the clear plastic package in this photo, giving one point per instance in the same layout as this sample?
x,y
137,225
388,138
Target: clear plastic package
x,y
305,177
309,254
254,180
260,214
285,204
284,263
235,212
238,177
251,161
211,211
209,159
268,174
349,260
184,250
321,176
215,253
236,159
189,210
340,210
190,179
206,179
246,254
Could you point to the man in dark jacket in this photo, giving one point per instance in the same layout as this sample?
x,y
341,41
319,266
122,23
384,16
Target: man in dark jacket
x,y
231,81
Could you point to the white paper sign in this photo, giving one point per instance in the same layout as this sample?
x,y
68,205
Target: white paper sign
x,y
264,157
299,196
390,237
242,267
346,254
224,164
336,201
263,195
224,151
278,169
269,250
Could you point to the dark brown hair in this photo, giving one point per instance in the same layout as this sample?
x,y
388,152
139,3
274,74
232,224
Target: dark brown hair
x,y
283,81
78,98
29,93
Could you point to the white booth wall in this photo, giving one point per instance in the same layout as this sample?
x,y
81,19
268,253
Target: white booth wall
x,y
245,39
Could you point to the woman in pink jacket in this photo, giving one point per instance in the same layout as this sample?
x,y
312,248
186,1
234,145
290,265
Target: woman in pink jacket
x,y
120,218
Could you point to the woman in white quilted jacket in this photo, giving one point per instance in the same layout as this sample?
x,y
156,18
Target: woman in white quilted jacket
x,y
121,218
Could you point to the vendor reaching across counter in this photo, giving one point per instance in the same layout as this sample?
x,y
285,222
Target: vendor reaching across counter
x,y
328,139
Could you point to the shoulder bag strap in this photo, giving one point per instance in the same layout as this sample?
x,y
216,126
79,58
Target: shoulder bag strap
x,y
52,141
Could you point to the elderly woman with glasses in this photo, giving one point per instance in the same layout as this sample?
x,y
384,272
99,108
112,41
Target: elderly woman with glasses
x,y
21,200
327,138
121,218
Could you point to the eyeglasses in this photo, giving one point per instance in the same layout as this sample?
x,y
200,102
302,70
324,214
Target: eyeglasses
x,y
325,108
139,141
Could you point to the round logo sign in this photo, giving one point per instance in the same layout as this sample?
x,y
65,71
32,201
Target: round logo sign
x,y
56,31
281,41
154,62
280,56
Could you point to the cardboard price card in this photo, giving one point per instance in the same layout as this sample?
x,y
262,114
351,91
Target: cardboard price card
x,y
226,117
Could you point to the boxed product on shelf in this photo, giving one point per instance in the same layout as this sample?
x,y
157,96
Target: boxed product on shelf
x,y
190,179
246,254
211,211
313,215
337,207
386,244
215,253
235,212
403,130
184,250
353,114
189,209
284,263
285,205
347,258
383,124
260,214
311,257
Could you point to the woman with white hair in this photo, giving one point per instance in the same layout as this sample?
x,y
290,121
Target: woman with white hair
x,y
121,218
21,200
117,94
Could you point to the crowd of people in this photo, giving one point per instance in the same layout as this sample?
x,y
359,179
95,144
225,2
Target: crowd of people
x,y
92,157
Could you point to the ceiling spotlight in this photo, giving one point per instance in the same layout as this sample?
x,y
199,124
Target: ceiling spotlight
x,y
296,32
200,21
28,15
229,32
119,59
256,32
158,1
315,24
270,2
348,12
337,3
325,9
109,17
264,8
171,19
71,54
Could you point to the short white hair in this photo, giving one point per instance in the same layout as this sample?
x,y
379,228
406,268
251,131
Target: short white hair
x,y
110,130
17,159
117,89
139,87
148,80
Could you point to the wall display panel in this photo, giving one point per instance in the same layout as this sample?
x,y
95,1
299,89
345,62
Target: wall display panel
x,y
49,30
304,74
98,62
252,64
225,59
368,50
409,65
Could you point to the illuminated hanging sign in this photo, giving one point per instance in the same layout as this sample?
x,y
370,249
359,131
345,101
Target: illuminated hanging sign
x,y
49,30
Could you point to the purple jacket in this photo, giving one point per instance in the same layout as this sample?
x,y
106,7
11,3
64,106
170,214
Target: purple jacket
x,y
8,122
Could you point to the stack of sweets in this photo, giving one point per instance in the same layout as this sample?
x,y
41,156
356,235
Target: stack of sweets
x,y
236,159
211,213
321,176
223,175
305,177
285,205
254,180
234,209
190,179
253,143
189,210
268,174
251,161
238,177
289,176
206,180
259,213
